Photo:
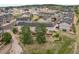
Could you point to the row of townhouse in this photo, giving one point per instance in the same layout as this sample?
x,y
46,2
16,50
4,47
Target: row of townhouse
x,y
4,19
67,19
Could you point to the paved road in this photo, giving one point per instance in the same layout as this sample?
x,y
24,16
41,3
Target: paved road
x,y
9,25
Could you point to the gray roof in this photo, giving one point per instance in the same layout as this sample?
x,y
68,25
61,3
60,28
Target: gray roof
x,y
33,24
23,19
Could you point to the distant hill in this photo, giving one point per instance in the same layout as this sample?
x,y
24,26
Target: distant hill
x,y
43,5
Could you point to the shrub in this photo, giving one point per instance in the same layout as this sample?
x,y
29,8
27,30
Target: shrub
x,y
7,37
15,30
74,28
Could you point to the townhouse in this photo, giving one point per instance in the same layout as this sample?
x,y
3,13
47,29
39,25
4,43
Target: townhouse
x,y
67,19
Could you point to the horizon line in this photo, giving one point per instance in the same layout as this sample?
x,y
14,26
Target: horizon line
x,y
17,5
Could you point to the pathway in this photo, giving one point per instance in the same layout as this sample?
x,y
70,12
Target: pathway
x,y
16,48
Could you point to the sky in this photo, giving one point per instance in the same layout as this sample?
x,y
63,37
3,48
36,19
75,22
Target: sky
x,y
4,3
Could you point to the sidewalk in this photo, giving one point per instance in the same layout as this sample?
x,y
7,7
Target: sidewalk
x,y
16,48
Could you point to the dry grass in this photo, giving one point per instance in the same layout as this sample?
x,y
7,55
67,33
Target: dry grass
x,y
39,48
50,45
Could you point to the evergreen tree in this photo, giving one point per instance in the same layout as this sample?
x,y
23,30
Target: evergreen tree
x,y
26,36
41,31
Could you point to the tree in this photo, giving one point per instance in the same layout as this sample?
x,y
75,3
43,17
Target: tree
x,y
6,37
15,30
26,36
73,28
41,31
